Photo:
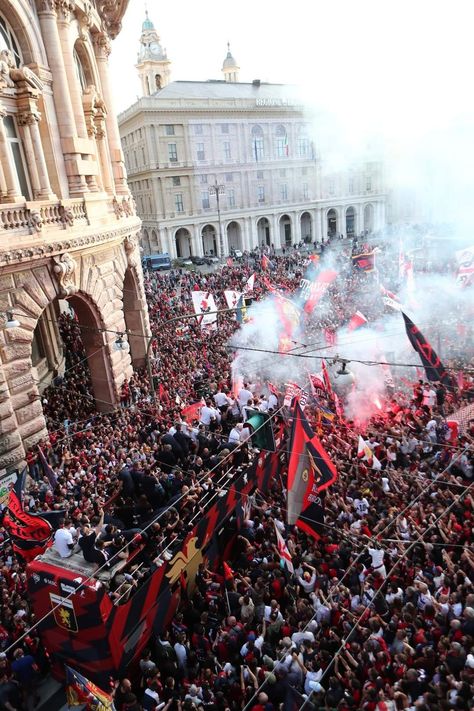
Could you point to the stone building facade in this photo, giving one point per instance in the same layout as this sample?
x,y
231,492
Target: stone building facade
x,y
68,222
256,143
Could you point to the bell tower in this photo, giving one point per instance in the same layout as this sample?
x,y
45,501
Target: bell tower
x,y
153,64
230,67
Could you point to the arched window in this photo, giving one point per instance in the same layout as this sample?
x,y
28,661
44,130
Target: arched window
x,y
158,81
8,41
80,73
257,143
281,141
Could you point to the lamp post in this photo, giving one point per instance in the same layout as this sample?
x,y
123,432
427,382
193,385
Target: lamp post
x,y
218,190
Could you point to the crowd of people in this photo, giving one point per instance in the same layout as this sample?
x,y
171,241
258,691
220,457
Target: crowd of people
x,y
379,612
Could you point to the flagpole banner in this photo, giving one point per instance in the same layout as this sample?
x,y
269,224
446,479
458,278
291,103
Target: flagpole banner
x,y
310,472
204,306
311,292
80,691
232,298
434,369
285,555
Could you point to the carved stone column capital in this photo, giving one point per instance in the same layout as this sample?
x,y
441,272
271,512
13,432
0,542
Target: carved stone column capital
x,y
28,118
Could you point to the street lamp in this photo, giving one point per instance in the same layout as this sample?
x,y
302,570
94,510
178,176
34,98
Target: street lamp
x,y
218,190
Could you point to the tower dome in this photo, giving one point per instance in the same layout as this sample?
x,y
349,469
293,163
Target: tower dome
x,y
230,67
148,24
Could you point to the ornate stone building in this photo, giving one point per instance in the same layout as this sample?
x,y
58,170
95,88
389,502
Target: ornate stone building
x,y
255,142
68,222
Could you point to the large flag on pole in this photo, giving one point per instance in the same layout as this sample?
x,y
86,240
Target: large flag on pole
x,y
249,284
30,533
311,292
285,554
232,298
365,453
204,308
434,369
356,321
310,472
80,691
48,469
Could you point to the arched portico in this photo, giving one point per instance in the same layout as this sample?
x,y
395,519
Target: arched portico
x,y
263,231
209,240
183,242
286,232
331,222
351,221
134,310
369,217
234,235
306,223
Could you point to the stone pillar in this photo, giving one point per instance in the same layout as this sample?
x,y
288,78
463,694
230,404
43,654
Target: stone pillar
x,y
61,95
104,160
296,227
342,221
102,51
197,241
24,122
317,225
361,218
13,191
276,233
75,91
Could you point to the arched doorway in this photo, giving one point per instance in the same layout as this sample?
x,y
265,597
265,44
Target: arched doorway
x,y
306,227
285,231
350,221
369,217
209,240
263,232
234,235
332,222
183,242
134,320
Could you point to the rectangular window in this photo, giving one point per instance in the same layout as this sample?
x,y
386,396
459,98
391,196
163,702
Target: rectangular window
x,y
203,179
231,197
178,202
282,147
198,129
258,148
227,151
303,147
260,175
283,191
225,127
200,154
176,180
169,129
172,153
229,177
305,191
205,200
261,193
368,183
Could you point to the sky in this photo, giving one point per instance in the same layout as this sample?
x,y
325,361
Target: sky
x,y
400,71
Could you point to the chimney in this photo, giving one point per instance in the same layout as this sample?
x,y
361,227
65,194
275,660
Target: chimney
x,y
256,82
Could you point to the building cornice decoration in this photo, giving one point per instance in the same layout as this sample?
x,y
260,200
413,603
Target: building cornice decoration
x,y
17,256
7,63
36,222
111,13
64,268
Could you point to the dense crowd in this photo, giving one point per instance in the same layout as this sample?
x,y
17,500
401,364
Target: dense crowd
x,y
379,613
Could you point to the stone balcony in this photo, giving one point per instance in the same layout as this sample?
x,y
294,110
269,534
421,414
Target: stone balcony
x,y
38,229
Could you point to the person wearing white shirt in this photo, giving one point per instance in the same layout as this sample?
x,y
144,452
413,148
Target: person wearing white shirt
x,y
377,561
429,396
244,395
64,539
221,399
272,402
361,506
258,643
209,414
235,433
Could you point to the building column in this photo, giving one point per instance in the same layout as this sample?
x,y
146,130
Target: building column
x,y
25,122
295,227
381,215
342,225
104,159
102,51
197,242
75,92
61,96
361,218
276,233
316,225
13,191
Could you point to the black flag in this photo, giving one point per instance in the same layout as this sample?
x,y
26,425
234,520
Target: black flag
x,y
434,369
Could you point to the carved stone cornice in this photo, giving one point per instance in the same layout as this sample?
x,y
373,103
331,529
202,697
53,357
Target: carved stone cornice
x,y
28,118
71,244
64,268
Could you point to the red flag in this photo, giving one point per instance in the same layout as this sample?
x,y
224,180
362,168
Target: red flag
x,y
192,412
228,572
330,337
310,472
434,369
326,378
229,262
364,262
268,285
312,292
357,320
273,389
265,261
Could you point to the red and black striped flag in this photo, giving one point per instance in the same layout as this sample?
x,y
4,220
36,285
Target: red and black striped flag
x,y
310,473
434,369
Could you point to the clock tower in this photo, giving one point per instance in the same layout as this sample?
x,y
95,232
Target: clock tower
x,y
153,65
